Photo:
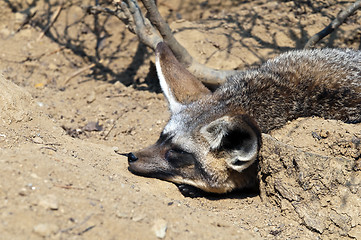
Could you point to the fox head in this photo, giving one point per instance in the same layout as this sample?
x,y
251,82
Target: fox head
x,y
209,142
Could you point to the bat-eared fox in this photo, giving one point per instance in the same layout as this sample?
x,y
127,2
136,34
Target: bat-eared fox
x,y
212,139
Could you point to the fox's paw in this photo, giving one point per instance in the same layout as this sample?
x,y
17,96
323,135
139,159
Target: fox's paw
x,y
190,191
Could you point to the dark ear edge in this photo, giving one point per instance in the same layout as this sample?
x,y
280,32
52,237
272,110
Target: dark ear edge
x,y
254,126
178,84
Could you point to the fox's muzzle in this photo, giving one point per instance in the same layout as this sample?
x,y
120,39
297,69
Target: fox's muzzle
x,y
131,157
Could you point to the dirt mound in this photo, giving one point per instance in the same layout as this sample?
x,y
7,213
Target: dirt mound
x,y
319,181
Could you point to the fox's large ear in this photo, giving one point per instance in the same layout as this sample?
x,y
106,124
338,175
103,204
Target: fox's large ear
x,y
179,86
237,139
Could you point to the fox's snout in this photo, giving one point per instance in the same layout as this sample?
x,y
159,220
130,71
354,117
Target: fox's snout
x,y
131,157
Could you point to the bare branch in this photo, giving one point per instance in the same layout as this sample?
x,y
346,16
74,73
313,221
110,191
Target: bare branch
x,y
99,9
52,20
341,17
129,13
143,28
207,75
156,19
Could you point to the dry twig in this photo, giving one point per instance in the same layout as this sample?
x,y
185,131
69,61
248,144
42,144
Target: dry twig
x,y
206,74
106,135
68,187
52,21
79,71
86,219
341,17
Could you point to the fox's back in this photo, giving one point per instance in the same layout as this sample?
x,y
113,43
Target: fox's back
x,y
324,83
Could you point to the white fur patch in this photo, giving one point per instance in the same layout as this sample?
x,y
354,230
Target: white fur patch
x,y
174,125
219,130
174,105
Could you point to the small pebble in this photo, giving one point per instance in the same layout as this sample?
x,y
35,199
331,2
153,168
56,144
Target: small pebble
x,y
38,140
121,214
324,133
53,66
160,228
40,104
138,218
33,175
91,97
93,126
45,229
49,202
23,192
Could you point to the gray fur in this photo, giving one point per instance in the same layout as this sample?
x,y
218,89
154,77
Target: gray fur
x,y
324,83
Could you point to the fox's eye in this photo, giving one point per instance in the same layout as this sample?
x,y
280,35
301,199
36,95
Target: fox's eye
x,y
174,154
177,151
179,158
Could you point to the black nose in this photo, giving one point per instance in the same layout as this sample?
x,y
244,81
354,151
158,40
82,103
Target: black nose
x,y
132,157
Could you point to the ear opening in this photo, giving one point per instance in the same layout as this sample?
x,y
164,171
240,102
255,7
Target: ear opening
x,y
179,86
239,138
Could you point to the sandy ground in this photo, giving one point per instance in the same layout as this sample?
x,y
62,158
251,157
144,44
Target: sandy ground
x,y
60,177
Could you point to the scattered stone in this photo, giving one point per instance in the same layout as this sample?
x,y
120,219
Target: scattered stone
x,y
121,214
138,217
102,88
34,175
45,229
38,140
53,66
23,192
91,97
93,126
160,228
49,202
30,186
324,133
40,104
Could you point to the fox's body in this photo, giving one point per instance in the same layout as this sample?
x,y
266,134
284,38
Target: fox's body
x,y
212,139
324,83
